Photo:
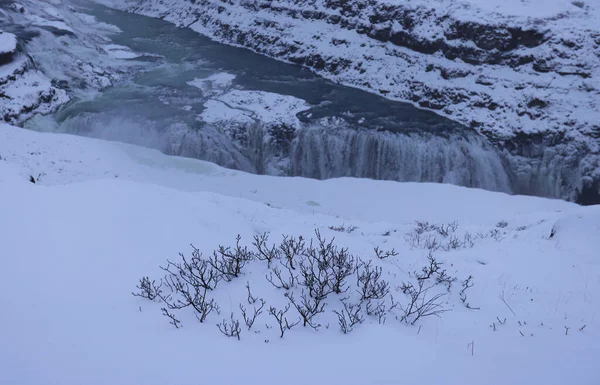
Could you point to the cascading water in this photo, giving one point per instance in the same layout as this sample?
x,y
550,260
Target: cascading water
x,y
464,160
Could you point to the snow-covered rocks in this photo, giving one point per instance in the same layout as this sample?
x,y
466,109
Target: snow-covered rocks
x,y
23,89
65,53
213,85
524,74
245,106
8,44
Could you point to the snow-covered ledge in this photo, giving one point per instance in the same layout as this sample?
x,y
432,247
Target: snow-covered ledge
x,y
526,74
8,46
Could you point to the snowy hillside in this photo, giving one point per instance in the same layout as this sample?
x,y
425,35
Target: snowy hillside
x,y
101,215
525,74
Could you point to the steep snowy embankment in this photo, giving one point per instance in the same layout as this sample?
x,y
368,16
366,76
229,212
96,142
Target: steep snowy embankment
x,y
50,52
102,214
524,74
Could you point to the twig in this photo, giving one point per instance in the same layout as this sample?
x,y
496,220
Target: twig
x,y
508,306
472,345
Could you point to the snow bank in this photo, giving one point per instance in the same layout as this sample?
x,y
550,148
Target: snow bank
x,y
243,106
8,43
215,84
577,228
116,51
103,214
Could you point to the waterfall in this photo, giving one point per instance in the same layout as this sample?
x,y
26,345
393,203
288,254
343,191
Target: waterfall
x,y
462,159
314,151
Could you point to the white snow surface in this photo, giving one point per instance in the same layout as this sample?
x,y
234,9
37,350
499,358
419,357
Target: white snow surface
x,y
8,42
103,214
214,84
117,51
246,106
229,105
536,9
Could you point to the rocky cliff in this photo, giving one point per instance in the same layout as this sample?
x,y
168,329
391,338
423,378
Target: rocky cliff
x,y
48,50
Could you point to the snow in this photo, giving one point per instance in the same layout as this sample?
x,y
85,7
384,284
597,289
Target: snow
x,y
243,106
103,214
56,24
214,84
539,9
227,105
8,43
26,91
116,51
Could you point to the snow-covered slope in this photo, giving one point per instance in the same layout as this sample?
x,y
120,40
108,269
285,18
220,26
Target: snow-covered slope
x,y
102,214
524,74
49,53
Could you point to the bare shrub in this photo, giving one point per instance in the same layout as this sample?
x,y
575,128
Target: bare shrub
x,y
467,284
369,283
148,289
282,279
250,318
282,320
381,254
421,304
230,327
453,244
257,308
433,237
188,295
229,263
343,229
377,309
502,224
291,249
308,307
445,230
172,319
309,272
496,234
265,253
196,272
341,266
349,316
325,268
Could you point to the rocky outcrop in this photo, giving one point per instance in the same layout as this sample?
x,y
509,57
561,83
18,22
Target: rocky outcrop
x,y
43,61
23,89
531,86
8,47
